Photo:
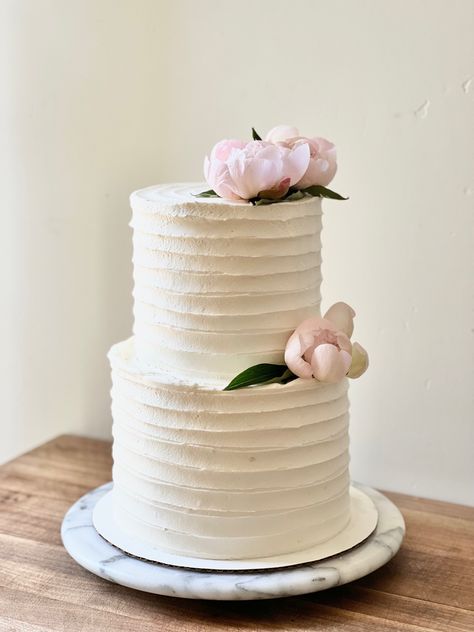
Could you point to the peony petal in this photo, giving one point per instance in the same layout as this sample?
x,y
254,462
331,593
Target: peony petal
x,y
323,164
360,361
324,361
250,176
295,162
293,359
281,133
329,364
278,192
254,149
315,323
213,170
307,340
223,148
325,148
225,190
268,151
218,178
343,342
342,316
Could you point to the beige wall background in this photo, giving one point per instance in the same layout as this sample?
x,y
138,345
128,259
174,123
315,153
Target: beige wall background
x,y
101,97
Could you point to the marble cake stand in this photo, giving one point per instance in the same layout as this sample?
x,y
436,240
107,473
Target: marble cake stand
x,y
94,553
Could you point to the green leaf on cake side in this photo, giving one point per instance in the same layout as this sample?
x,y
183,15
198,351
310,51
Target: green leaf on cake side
x,y
206,194
261,373
255,135
319,191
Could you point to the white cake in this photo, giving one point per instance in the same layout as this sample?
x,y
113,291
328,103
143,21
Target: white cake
x,y
202,472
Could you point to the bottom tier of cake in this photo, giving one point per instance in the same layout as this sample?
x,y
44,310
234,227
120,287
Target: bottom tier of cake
x,y
261,471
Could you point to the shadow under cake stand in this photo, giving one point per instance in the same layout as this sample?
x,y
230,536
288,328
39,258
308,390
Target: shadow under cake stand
x,y
96,554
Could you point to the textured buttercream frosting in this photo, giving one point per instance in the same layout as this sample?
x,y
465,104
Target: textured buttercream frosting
x,y
228,474
202,472
219,285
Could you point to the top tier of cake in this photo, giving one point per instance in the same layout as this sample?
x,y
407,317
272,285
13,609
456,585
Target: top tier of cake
x,y
220,285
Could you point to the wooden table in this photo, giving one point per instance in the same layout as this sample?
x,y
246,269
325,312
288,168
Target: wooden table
x,y
429,585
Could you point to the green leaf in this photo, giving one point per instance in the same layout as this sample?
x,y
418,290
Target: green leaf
x,y
206,194
319,191
291,196
288,376
260,373
295,195
255,135
263,201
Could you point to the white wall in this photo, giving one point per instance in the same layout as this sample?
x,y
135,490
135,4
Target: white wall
x,y
101,97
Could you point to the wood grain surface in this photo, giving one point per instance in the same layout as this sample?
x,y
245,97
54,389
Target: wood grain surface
x,y
429,585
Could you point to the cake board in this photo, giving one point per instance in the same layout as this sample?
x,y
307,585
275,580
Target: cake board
x,y
94,553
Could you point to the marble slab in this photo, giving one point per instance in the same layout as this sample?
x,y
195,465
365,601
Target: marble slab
x,y
94,553
363,521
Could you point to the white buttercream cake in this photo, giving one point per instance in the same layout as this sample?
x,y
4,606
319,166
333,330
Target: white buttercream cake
x,y
198,471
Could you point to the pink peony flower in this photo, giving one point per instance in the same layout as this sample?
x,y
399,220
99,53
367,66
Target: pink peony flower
x,y
322,166
321,347
238,170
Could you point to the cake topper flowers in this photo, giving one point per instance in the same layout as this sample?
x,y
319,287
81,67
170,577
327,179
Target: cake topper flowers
x,y
284,166
319,348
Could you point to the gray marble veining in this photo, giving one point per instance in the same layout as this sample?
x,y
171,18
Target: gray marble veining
x,y
95,554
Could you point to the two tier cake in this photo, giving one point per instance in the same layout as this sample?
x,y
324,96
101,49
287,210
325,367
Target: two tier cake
x,y
227,291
